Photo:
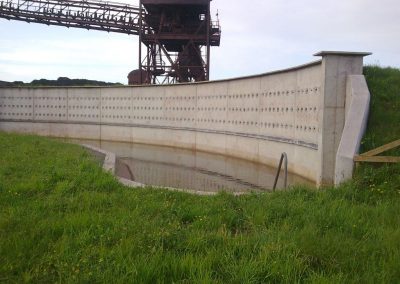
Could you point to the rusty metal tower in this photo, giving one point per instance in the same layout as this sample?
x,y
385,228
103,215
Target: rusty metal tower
x,y
176,35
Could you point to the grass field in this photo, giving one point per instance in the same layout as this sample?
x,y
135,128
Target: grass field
x,y
63,220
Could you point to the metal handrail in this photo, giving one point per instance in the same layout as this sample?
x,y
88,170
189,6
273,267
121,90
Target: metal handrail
x,y
283,157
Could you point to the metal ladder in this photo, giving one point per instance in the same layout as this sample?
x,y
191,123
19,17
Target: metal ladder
x,y
283,158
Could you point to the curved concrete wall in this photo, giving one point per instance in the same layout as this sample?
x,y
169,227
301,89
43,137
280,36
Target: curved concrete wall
x,y
300,111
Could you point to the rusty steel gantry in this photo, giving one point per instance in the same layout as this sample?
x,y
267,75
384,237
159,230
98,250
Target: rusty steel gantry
x,y
177,34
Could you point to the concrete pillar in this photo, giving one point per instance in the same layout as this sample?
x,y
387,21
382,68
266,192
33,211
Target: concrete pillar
x,y
336,66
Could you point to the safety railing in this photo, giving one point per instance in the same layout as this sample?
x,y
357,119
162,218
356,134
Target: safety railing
x,y
283,159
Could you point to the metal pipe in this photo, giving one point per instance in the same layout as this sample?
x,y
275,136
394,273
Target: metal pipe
x,y
208,41
140,41
283,158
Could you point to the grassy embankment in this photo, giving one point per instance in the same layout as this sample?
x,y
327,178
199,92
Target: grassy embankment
x,y
64,220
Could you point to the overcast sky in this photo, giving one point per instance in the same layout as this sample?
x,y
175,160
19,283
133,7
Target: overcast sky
x,y
257,36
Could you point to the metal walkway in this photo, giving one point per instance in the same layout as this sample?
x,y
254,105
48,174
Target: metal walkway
x,y
91,15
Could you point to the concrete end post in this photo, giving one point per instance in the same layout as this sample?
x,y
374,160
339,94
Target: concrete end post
x,y
336,67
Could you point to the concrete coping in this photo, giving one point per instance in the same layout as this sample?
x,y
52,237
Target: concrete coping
x,y
343,53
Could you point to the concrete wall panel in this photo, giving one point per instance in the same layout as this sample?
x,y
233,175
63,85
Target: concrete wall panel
x,y
300,111
83,131
242,147
211,142
116,133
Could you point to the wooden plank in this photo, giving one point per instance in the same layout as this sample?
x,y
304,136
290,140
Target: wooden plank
x,y
377,159
382,149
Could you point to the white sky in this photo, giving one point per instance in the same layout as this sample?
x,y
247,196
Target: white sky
x,y
257,37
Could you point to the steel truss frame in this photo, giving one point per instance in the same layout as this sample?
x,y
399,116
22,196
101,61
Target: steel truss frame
x,y
164,67
161,65
88,14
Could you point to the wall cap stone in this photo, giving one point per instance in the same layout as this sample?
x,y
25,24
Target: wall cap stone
x,y
342,53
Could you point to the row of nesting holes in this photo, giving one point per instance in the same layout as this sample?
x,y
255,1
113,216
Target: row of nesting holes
x,y
17,106
206,97
182,109
49,106
269,109
233,122
282,109
51,98
15,114
256,95
15,98
237,96
38,98
50,114
84,115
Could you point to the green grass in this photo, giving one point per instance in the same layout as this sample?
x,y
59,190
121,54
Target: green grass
x,y
384,119
64,220
383,128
